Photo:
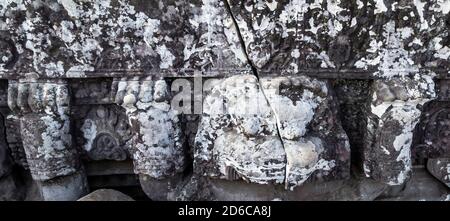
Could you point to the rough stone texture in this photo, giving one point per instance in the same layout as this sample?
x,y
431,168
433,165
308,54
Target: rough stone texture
x,y
158,149
106,195
440,168
421,187
394,112
237,136
64,188
433,140
45,127
301,96
161,189
315,144
14,140
75,38
353,98
104,133
243,121
5,160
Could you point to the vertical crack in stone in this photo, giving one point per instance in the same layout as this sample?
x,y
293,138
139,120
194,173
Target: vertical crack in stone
x,y
256,74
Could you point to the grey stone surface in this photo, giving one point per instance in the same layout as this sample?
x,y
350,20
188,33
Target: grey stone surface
x,y
157,149
44,110
77,38
394,112
11,189
440,169
106,195
5,159
421,187
103,132
64,188
300,97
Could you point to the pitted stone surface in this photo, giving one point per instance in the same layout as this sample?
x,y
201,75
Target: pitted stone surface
x,y
157,144
267,134
440,168
395,110
45,127
104,132
270,112
71,38
316,146
238,136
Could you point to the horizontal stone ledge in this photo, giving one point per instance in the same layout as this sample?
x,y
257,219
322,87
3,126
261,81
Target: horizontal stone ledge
x,y
189,73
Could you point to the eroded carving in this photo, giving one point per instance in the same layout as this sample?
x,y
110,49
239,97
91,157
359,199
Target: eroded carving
x,y
43,109
395,110
279,132
157,149
103,132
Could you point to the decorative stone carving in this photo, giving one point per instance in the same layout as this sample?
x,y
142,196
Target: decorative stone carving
x,y
278,133
264,121
43,109
157,149
291,35
316,146
395,110
238,129
103,132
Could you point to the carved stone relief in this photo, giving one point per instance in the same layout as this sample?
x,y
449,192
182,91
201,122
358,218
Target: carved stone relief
x,y
103,132
157,149
301,93
43,109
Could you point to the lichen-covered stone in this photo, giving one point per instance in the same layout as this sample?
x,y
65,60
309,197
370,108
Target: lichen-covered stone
x,y
44,110
433,132
282,132
74,38
270,115
395,110
316,146
158,143
237,136
440,168
104,132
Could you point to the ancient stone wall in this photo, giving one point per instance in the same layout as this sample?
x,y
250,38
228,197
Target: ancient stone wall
x,y
226,99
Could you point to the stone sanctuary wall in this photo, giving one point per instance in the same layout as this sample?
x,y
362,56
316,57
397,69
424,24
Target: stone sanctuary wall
x,y
225,99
